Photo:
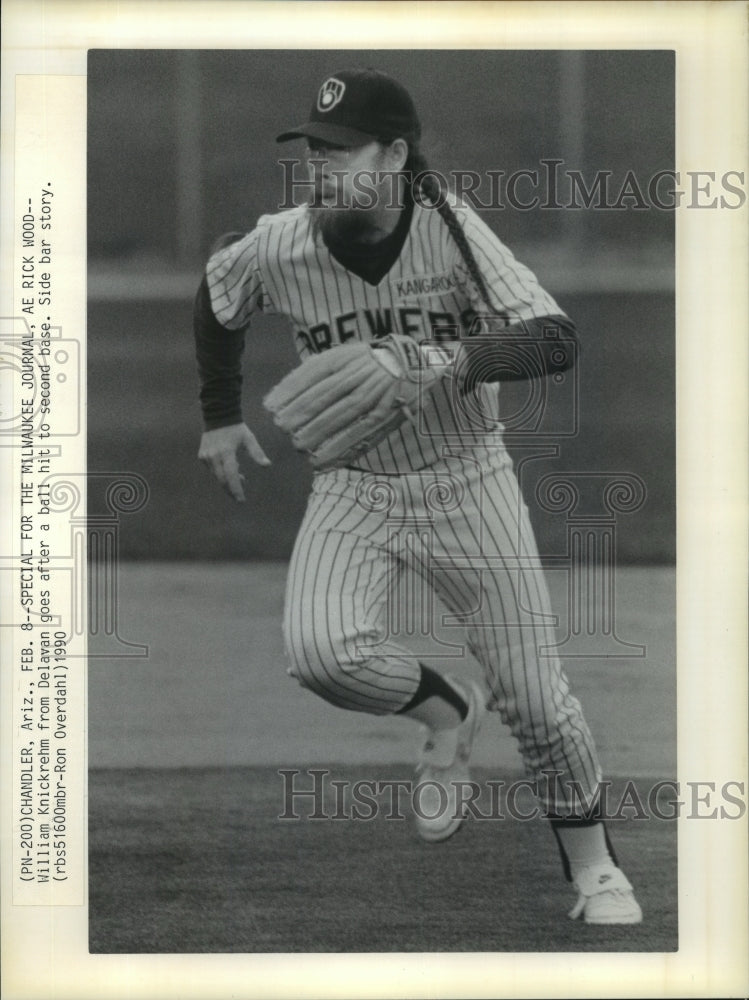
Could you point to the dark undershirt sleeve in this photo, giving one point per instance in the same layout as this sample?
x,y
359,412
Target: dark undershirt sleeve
x,y
219,356
541,346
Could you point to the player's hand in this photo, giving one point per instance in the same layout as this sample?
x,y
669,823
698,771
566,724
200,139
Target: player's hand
x,y
219,449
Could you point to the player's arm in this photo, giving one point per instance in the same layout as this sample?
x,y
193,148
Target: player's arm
x,y
512,352
520,331
219,357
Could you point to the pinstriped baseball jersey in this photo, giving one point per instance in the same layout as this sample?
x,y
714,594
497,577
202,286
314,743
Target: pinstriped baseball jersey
x,y
283,267
480,556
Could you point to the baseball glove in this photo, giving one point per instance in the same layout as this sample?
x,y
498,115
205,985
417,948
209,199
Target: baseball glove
x,y
343,402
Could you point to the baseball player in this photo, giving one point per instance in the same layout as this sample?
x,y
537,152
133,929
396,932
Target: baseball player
x,y
384,279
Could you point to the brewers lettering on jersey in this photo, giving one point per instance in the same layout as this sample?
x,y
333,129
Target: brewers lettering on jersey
x,y
437,500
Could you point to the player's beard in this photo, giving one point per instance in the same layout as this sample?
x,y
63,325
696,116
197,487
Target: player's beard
x,y
344,225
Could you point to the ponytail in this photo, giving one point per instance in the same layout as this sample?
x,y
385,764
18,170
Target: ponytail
x,y
426,189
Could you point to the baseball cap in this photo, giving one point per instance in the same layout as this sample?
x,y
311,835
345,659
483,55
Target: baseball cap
x,y
356,106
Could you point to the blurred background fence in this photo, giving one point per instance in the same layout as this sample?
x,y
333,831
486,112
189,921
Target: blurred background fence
x,y
181,147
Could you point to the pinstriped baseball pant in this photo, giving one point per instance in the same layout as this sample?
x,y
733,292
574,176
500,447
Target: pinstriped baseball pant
x,y
460,529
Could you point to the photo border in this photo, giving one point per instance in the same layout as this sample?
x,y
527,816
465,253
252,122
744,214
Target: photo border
x,y
711,66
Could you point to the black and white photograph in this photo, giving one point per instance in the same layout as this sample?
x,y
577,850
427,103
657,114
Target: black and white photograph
x,y
375,576
397,399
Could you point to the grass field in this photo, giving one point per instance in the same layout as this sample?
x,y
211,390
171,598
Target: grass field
x,y
187,853
197,860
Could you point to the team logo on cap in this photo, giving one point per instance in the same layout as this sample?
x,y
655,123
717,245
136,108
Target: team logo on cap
x,y
330,94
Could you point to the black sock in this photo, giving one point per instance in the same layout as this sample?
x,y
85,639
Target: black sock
x,y
433,684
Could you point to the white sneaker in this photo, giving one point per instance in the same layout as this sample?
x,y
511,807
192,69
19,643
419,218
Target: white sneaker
x,y
443,765
606,896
